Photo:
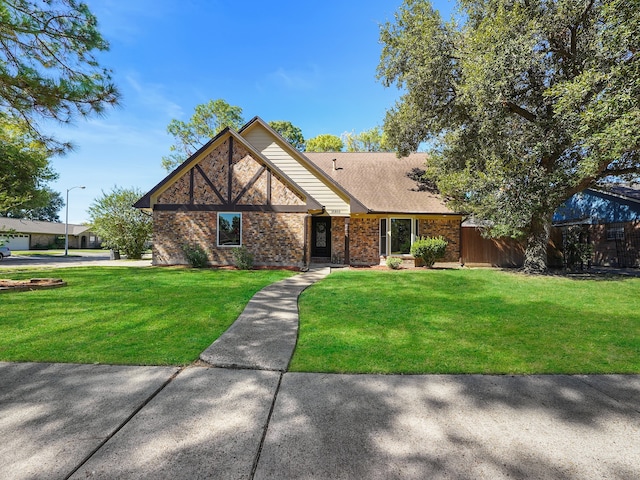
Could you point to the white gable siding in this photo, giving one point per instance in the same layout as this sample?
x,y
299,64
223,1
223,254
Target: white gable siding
x,y
297,172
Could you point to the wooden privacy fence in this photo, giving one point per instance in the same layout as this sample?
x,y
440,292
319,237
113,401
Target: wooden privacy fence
x,y
502,252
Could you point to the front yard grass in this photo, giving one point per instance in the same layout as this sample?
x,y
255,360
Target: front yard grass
x,y
120,315
468,321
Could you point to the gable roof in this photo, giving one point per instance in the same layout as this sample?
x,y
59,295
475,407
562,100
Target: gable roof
x,y
609,204
379,181
627,192
147,201
21,225
315,181
365,182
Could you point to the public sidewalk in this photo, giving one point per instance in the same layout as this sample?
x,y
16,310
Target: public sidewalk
x,y
256,421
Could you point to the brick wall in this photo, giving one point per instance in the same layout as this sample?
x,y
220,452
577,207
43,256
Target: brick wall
x,y
449,229
337,240
275,239
364,241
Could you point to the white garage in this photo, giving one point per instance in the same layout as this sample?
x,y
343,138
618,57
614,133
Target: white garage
x,y
18,242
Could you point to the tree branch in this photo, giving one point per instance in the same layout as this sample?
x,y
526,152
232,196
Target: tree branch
x,y
518,110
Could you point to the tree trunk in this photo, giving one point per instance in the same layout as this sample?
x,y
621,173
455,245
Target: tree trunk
x,y
535,255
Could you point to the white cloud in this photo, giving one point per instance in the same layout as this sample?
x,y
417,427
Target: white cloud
x,y
296,79
152,95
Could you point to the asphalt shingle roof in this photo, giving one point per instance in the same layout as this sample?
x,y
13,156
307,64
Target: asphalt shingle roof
x,y
379,180
21,225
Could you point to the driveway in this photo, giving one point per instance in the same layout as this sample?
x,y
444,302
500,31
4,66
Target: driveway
x,y
75,259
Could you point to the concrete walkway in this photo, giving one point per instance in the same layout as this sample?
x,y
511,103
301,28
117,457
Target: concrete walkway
x,y
264,335
62,421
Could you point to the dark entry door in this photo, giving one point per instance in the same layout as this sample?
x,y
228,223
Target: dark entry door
x,y
321,237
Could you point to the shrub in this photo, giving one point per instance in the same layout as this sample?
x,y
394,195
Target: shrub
x,y
243,258
429,249
196,256
394,263
577,249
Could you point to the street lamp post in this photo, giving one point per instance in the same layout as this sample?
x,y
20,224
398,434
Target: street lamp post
x,y
66,223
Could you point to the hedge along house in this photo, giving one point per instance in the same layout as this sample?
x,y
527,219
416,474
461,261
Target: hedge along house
x,y
251,188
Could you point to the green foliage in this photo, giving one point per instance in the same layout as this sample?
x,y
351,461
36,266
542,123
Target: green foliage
x,y
578,252
242,258
394,263
290,132
44,206
196,256
48,64
373,140
24,167
207,121
429,249
525,104
324,143
121,226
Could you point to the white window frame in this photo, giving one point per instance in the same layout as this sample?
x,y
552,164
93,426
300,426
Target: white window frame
x,y
218,230
414,234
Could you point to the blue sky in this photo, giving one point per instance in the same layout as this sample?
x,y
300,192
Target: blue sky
x,y
312,63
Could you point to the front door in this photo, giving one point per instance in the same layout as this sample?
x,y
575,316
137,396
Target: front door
x,y
321,237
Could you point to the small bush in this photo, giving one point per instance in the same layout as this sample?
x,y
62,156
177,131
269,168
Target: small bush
x,y
429,249
243,258
394,263
577,249
196,256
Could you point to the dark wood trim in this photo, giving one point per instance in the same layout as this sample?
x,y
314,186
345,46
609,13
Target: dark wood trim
x,y
268,187
230,170
168,207
250,184
210,183
191,179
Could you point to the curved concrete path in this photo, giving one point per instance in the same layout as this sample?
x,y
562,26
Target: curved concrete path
x,y
265,334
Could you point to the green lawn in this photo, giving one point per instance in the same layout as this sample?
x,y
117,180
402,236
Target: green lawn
x,y
468,321
119,315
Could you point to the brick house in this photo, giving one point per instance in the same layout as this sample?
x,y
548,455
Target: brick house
x,y
23,234
610,220
291,209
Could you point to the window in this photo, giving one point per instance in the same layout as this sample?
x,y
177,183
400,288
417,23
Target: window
x,y
400,236
615,231
397,235
229,229
383,236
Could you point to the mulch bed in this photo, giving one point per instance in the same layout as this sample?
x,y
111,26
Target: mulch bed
x,y
7,285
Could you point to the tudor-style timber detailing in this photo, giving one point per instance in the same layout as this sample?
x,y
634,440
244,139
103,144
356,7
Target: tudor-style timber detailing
x,y
230,178
282,194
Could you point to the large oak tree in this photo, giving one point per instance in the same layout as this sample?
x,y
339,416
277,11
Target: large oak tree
x,y
525,102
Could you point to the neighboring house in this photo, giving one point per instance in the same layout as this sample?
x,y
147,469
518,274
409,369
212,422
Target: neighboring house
x,y
251,188
22,234
611,222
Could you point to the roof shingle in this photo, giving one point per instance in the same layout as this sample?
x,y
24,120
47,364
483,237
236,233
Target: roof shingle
x,y
379,181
